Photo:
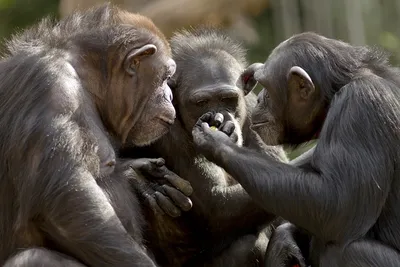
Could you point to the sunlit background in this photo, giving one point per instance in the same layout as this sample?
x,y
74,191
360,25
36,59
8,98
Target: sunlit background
x,y
259,24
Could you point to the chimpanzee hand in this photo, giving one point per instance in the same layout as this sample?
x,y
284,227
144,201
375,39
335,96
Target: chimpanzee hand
x,y
156,187
211,131
283,249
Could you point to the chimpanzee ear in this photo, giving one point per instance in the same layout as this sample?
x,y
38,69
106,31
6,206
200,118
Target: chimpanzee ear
x,y
300,83
246,80
134,57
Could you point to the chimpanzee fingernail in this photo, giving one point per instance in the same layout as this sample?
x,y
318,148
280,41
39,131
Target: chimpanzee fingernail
x,y
219,118
205,125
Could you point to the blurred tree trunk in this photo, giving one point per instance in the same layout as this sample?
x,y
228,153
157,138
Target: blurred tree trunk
x,y
286,17
355,22
318,16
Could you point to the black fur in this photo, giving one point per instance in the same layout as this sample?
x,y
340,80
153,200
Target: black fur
x,y
223,228
54,128
345,195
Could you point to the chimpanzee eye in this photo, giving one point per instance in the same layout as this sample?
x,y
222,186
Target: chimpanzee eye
x,y
227,99
201,102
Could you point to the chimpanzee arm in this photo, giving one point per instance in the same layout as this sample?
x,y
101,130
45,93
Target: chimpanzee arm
x,y
213,198
233,203
287,244
73,210
342,197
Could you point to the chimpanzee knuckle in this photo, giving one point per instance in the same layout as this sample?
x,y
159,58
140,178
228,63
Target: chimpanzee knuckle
x,y
181,184
171,192
163,170
198,138
147,191
137,164
234,137
179,199
230,125
151,202
160,162
158,172
226,132
147,166
207,117
285,228
167,205
157,188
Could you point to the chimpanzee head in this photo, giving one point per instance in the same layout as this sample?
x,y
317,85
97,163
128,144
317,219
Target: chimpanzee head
x,y
208,67
125,63
299,80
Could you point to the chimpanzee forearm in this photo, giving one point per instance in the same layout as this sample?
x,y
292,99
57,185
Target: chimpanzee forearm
x,y
219,203
240,204
310,195
213,198
251,170
82,221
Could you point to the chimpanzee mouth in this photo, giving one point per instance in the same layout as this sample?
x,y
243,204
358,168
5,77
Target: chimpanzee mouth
x,y
258,124
166,121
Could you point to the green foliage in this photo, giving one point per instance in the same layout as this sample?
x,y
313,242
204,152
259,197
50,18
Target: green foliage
x,y
292,154
18,14
6,3
390,42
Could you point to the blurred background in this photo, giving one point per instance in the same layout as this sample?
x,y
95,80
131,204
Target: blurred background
x,y
259,24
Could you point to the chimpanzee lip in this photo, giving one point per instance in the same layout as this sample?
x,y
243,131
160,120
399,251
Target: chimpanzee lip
x,y
258,124
166,120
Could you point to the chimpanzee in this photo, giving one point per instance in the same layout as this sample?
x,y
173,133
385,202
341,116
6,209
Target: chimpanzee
x,y
224,227
346,197
70,94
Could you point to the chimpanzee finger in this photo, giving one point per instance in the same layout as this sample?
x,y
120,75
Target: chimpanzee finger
x,y
206,117
157,188
205,127
217,120
179,199
145,164
228,128
179,183
151,202
158,162
234,137
166,205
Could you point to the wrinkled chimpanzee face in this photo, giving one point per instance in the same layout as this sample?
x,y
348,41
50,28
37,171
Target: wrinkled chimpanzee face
x,y
158,114
209,84
289,108
268,116
143,109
